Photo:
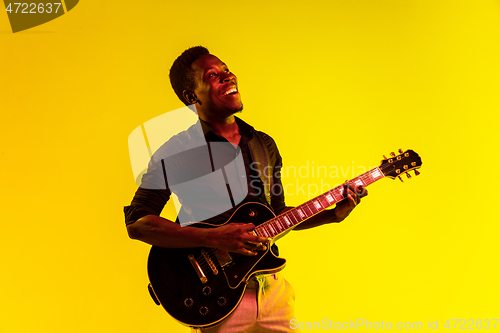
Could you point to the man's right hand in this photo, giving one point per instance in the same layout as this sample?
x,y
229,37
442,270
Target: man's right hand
x,y
236,237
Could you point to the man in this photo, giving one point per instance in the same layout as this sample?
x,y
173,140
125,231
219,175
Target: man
x,y
202,79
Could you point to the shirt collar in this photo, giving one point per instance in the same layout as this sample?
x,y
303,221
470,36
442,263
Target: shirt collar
x,y
246,130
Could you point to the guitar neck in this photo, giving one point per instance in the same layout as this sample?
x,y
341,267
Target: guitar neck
x,y
299,214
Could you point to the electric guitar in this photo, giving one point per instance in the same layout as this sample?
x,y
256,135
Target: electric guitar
x,y
200,287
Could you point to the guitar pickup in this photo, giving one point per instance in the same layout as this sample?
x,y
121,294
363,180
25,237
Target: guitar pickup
x,y
210,262
197,269
223,257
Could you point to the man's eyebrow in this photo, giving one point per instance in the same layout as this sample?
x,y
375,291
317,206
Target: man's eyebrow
x,y
209,68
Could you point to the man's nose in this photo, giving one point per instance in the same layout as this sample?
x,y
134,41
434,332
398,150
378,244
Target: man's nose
x,y
227,77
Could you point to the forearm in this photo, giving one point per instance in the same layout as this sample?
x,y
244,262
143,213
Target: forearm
x,y
232,237
161,232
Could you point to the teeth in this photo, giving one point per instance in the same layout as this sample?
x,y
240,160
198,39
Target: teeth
x,y
230,91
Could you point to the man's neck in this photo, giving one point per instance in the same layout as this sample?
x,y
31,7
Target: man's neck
x,y
226,127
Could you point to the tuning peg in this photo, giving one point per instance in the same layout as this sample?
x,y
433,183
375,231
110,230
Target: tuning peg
x,y
392,154
417,172
401,179
408,175
400,150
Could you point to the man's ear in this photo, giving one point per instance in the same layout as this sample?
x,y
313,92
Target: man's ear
x,y
190,97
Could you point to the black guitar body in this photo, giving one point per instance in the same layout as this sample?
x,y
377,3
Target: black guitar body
x,y
200,287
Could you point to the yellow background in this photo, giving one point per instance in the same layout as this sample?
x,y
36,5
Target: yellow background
x,y
335,82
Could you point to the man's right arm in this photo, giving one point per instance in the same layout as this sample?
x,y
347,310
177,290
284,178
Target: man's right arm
x,y
233,237
144,224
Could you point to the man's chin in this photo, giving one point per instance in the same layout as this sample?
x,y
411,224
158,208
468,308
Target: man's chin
x,y
239,109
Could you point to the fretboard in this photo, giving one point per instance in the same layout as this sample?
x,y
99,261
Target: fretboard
x,y
299,214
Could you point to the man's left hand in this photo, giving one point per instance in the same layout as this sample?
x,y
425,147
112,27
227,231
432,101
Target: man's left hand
x,y
353,195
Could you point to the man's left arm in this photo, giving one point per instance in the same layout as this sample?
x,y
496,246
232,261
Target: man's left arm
x,y
341,210
353,195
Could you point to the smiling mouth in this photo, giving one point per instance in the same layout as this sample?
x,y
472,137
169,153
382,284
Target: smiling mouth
x,y
231,91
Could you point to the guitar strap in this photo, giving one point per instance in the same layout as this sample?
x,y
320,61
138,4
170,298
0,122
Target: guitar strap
x,y
261,158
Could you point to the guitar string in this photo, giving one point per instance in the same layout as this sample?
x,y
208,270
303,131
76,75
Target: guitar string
x,y
364,176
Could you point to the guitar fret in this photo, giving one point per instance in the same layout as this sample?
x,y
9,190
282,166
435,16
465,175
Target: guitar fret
x,y
367,179
358,182
270,229
370,177
376,174
287,220
337,193
274,226
329,197
306,210
313,207
301,213
281,223
307,206
278,225
274,232
318,205
263,231
291,216
322,200
340,190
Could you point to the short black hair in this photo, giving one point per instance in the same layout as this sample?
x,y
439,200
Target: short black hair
x,y
181,73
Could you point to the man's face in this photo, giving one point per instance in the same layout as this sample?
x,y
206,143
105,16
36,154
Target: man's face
x,y
217,88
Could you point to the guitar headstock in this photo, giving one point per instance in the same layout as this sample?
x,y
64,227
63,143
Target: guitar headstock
x,y
396,165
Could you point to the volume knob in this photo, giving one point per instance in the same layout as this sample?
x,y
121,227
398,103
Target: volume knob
x,y
188,302
222,301
203,310
207,290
